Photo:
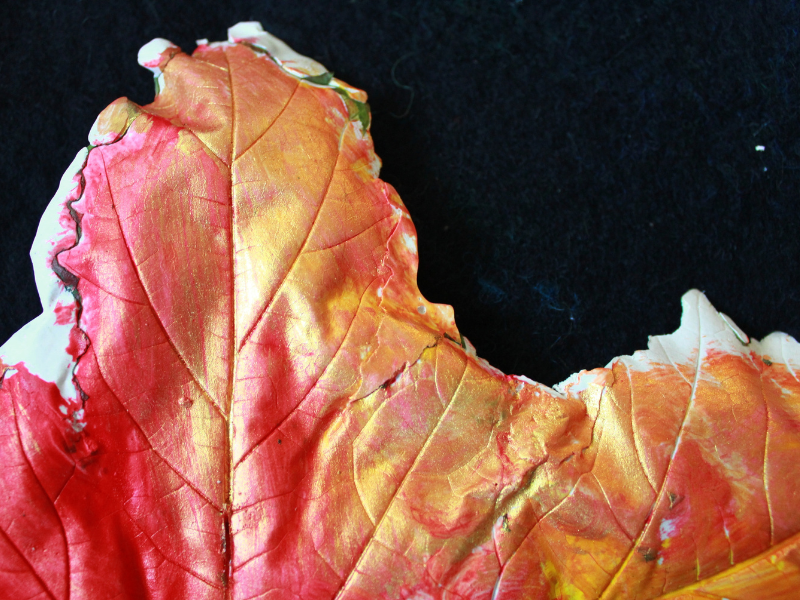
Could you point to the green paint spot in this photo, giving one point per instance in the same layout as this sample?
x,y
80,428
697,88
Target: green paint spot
x,y
452,339
362,112
256,48
359,111
321,79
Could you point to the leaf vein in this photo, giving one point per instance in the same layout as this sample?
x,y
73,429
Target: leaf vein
x,y
167,558
313,386
263,133
55,510
147,294
27,562
388,508
765,465
698,363
637,436
156,452
352,237
300,252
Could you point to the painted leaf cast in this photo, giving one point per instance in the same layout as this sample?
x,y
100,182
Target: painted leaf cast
x,y
237,391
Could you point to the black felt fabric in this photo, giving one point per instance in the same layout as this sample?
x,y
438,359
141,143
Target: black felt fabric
x,y
572,167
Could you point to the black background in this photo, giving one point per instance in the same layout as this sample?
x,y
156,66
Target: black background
x,y
572,167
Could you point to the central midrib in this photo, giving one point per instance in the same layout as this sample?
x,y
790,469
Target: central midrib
x,y
233,362
236,348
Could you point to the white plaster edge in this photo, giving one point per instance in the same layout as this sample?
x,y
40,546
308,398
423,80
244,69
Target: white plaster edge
x,y
702,328
149,57
41,345
150,54
253,32
783,348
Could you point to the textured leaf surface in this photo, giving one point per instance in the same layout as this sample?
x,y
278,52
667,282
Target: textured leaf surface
x,y
237,390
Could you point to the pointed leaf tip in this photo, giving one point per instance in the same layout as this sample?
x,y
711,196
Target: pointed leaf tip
x,y
155,53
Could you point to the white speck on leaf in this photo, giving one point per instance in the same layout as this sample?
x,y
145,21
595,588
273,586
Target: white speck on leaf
x,y
411,242
667,528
